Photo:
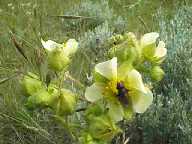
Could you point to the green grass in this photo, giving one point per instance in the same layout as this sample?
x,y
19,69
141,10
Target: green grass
x,y
169,120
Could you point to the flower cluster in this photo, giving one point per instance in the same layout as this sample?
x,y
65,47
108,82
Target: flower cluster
x,y
119,87
118,92
61,100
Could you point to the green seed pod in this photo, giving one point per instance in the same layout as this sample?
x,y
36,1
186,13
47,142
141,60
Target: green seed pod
x,y
131,38
124,52
157,73
102,128
128,50
31,84
41,98
65,103
57,60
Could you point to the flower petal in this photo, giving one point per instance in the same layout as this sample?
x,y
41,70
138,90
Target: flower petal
x,y
141,100
133,80
94,92
123,69
50,45
149,38
161,51
141,96
71,46
108,69
116,111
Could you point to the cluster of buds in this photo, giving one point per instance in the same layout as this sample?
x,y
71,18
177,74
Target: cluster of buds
x,y
61,100
143,54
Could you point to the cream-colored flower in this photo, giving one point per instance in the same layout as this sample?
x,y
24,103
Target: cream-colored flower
x,y
58,54
123,91
69,47
150,50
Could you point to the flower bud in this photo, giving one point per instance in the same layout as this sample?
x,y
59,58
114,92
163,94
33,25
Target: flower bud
x,y
131,38
160,53
157,73
116,39
31,84
103,128
41,98
92,111
57,60
124,52
66,102
128,50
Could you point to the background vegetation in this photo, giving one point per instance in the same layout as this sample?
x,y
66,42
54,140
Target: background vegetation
x,y
169,119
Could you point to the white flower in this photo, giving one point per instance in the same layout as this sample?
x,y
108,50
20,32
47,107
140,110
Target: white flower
x,y
50,45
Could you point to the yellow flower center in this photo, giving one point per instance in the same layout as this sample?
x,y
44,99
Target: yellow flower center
x,y
112,87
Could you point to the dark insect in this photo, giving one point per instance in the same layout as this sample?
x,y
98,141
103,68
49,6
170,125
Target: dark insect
x,y
122,94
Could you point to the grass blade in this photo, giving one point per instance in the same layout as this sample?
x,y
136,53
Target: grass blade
x,y
72,17
3,80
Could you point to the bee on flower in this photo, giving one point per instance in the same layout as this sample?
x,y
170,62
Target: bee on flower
x,y
121,87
